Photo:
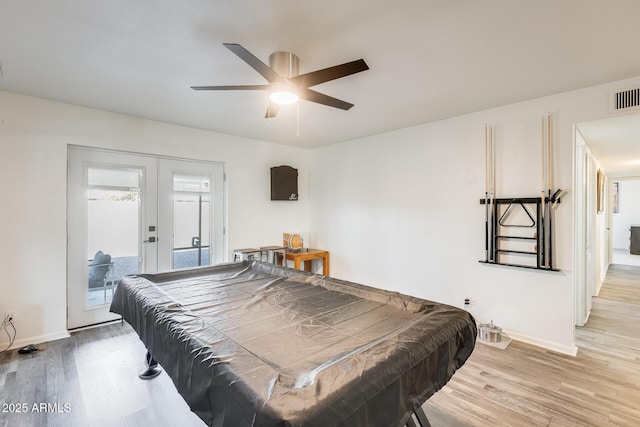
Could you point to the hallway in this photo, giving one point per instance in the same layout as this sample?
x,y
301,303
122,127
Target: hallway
x,y
613,327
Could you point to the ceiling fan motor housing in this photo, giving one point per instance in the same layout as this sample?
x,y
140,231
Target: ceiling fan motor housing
x,y
286,64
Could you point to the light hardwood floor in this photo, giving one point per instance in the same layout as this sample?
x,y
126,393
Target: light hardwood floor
x,y
95,373
529,386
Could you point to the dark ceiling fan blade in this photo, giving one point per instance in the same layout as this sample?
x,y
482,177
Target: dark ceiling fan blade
x,y
320,98
237,87
264,70
316,77
272,110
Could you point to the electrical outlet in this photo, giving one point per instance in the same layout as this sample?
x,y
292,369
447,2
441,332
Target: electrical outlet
x,y
8,316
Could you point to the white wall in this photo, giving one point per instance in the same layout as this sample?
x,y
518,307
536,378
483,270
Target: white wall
x,y
34,134
628,212
401,211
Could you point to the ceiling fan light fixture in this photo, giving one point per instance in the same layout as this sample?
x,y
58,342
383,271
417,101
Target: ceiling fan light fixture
x,y
283,97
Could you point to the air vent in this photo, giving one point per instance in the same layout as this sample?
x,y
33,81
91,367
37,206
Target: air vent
x,y
627,99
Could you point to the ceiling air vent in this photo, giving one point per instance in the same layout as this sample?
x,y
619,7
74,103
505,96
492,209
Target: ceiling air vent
x,y
625,100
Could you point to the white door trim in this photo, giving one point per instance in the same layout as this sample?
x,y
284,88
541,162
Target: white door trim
x,y
579,237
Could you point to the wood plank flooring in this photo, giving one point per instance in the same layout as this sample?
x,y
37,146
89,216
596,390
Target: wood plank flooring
x,y
94,373
529,386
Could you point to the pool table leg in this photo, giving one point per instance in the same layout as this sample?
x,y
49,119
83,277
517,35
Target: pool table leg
x,y
422,417
152,371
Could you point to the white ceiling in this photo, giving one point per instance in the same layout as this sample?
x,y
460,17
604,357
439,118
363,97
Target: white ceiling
x,y
615,142
428,59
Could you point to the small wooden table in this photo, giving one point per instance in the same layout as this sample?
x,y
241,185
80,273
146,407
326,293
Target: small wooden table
x,y
306,256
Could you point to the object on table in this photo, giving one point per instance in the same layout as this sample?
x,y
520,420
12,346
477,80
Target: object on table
x,y
292,241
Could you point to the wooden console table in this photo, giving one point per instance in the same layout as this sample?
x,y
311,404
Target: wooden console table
x,y
306,256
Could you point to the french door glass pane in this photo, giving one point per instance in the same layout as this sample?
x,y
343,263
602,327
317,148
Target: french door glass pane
x,y
191,220
113,229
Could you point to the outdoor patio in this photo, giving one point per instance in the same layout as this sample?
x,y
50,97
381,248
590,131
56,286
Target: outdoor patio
x,y
124,266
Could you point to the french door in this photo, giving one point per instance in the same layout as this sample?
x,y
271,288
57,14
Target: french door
x,y
129,214
189,209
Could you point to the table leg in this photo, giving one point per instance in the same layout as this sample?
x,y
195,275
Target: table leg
x,y
325,265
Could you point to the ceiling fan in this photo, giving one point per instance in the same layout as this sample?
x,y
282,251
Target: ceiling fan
x,y
286,85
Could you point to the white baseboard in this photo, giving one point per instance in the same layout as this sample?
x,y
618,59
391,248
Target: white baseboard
x,y
571,350
36,340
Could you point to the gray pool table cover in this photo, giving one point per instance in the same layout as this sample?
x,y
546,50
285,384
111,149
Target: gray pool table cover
x,y
253,344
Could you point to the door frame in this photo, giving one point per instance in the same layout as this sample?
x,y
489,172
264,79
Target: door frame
x,y
579,244
585,241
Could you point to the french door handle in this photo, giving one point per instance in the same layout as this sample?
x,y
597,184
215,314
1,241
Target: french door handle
x,y
150,240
